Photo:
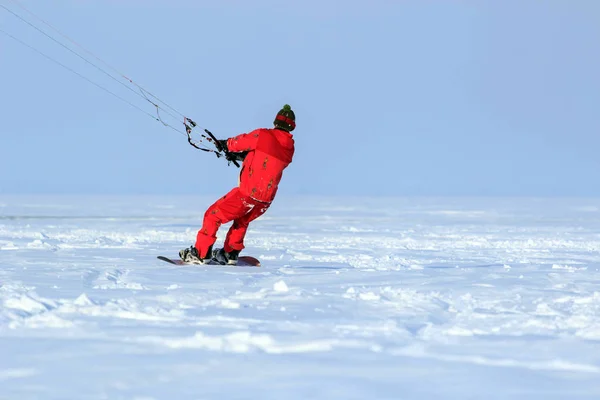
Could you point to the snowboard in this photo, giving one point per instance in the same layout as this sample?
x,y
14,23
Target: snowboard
x,y
243,261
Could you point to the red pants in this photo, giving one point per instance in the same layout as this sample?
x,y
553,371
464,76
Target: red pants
x,y
236,207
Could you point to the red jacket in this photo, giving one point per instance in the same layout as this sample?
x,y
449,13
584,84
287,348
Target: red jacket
x,y
270,151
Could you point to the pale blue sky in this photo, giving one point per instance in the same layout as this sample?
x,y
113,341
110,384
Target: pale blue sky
x,y
391,97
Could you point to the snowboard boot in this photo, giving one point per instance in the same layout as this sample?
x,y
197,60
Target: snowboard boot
x,y
223,257
191,256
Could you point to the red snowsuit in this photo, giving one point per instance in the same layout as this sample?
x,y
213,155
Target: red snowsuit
x,y
270,151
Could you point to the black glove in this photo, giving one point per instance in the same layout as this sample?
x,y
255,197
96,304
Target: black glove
x,y
236,156
240,156
223,145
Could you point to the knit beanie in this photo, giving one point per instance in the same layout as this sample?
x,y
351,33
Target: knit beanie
x,y
285,119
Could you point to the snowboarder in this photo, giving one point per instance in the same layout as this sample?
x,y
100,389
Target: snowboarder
x,y
265,154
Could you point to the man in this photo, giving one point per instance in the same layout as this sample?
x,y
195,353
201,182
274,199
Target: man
x,y
265,154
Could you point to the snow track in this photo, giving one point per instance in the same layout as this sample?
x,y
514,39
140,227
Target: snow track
x,y
378,298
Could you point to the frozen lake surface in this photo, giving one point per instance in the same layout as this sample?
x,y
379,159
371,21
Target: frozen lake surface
x,y
356,299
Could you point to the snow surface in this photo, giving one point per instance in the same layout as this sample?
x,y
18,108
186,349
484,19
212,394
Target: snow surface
x,y
356,299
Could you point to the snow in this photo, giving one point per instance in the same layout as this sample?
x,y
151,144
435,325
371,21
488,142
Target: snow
x,y
379,298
